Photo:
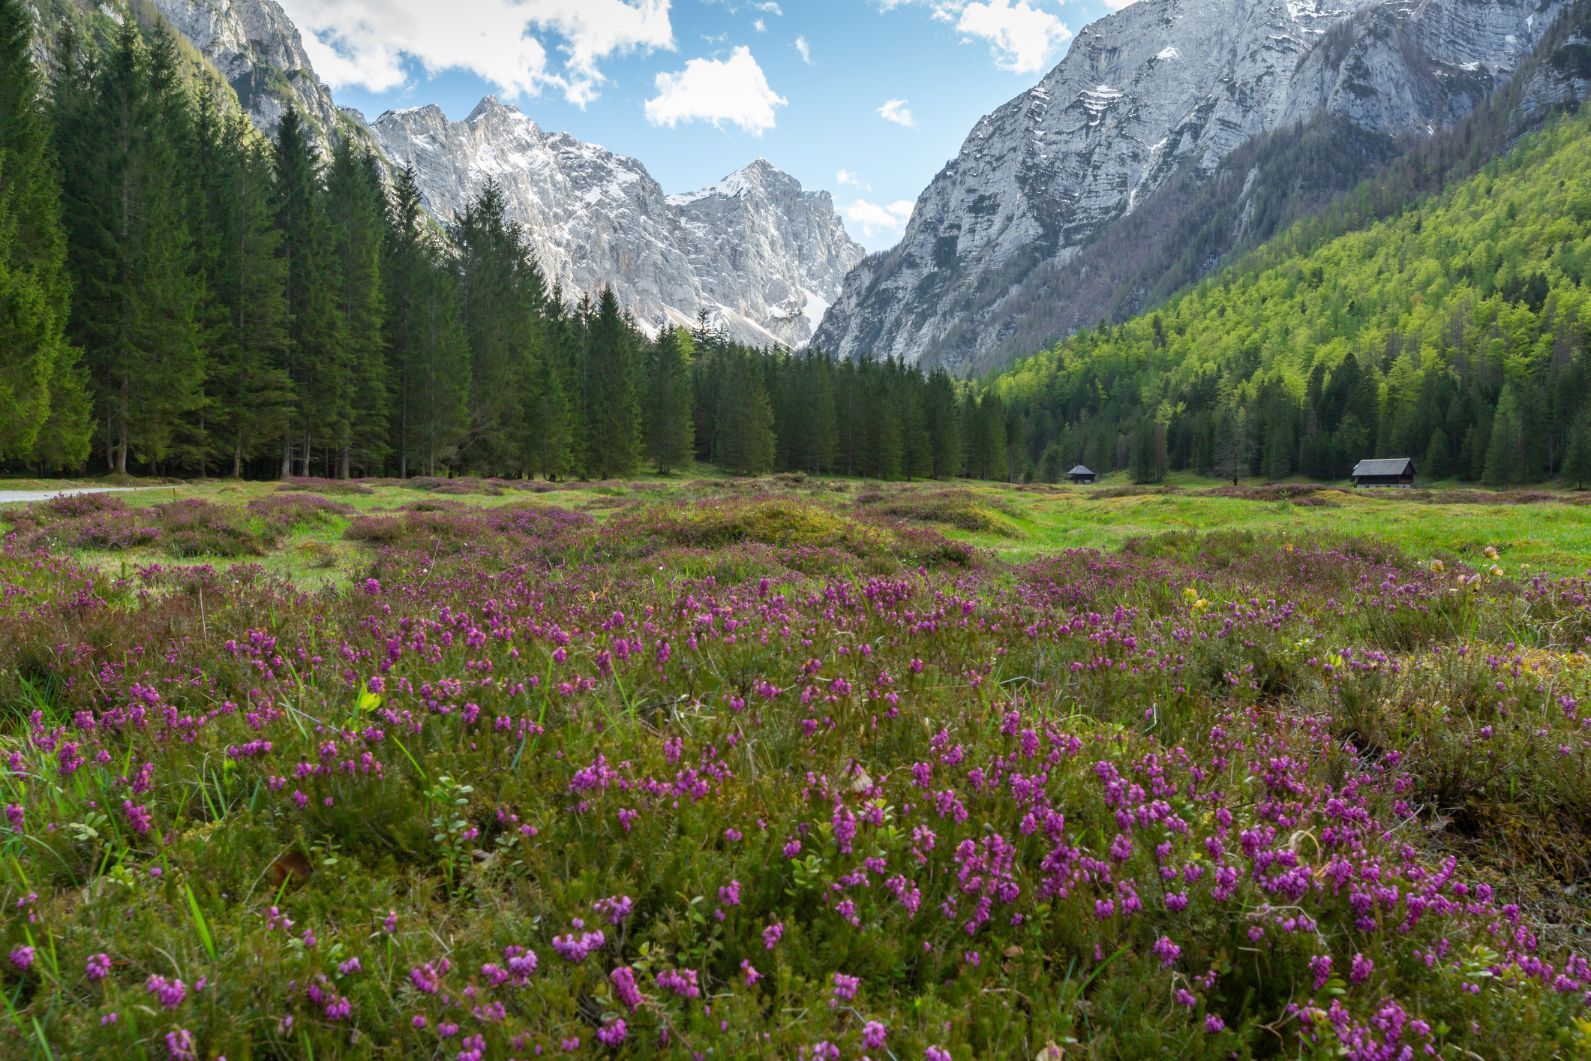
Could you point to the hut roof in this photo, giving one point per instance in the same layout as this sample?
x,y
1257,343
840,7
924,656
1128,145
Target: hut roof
x,y
1384,466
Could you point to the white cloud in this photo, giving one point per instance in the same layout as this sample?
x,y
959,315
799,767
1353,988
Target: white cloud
x,y
1023,38
875,219
897,111
1117,5
733,90
805,50
506,42
846,179
759,25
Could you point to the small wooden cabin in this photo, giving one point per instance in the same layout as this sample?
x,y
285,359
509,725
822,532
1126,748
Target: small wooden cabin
x,y
1081,474
1395,471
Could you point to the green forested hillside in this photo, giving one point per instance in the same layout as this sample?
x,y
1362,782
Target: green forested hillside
x,y
1455,332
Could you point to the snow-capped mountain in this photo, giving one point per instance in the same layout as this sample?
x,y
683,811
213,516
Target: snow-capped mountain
x,y
1161,88
763,257
760,255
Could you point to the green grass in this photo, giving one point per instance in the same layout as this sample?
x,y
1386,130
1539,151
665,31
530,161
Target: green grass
x,y
1548,536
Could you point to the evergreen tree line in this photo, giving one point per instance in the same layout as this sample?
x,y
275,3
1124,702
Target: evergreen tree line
x,y
1456,333
181,296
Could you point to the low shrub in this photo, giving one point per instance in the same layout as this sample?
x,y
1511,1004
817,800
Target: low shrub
x,y
324,486
285,514
194,528
962,509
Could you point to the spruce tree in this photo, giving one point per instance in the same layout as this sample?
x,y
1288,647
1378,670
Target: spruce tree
x,y
917,460
885,435
550,437
1577,458
944,424
357,222
428,354
1504,447
613,415
745,420
816,423
44,411
317,362
127,190
248,393
501,296
1438,457
669,430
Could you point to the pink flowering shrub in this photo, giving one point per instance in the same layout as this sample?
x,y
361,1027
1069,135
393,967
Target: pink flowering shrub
x,y
764,778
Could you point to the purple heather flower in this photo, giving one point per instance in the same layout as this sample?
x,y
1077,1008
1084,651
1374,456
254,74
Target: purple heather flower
x,y
180,1046
623,981
170,992
1167,951
612,1033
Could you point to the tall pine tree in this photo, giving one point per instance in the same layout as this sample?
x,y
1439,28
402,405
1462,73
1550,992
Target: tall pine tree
x,y
669,429
357,218
44,415
123,132
745,420
317,363
613,415
502,296
248,393
428,353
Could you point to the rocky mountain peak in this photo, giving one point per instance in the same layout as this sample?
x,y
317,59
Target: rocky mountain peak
x,y
755,251
258,50
765,267
1159,88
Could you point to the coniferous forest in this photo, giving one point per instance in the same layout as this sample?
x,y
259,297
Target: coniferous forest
x,y
185,298
1454,331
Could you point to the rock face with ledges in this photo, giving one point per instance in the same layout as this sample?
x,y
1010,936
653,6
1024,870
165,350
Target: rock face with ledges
x,y
760,255
1160,88
258,50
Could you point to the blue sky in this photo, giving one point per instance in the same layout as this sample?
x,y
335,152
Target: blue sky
x,y
864,98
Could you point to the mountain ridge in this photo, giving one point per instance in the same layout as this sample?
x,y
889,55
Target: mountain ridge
x,y
1161,88
763,263
754,250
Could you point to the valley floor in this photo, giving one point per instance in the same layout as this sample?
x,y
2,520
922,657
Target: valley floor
x,y
794,767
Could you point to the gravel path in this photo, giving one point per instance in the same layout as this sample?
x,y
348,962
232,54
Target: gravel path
x,y
15,497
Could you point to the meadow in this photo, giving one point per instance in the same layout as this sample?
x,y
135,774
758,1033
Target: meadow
x,y
795,768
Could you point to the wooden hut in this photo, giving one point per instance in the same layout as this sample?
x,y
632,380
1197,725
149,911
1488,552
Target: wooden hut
x,y
1394,471
1081,474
